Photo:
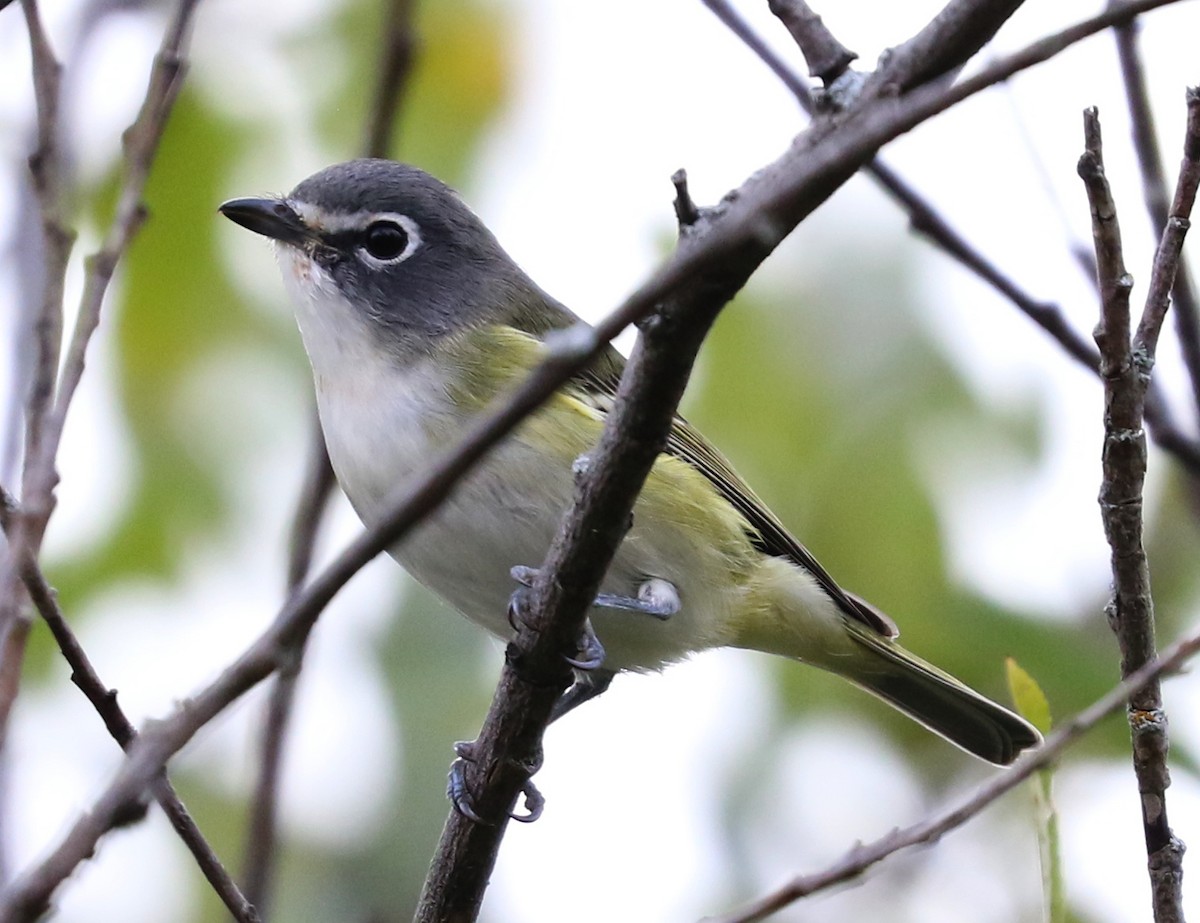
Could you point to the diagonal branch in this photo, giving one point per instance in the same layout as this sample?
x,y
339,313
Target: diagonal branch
x,y
396,60
742,229
508,749
862,857
931,224
104,700
48,405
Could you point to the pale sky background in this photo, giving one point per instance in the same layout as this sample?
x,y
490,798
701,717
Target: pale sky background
x,y
612,98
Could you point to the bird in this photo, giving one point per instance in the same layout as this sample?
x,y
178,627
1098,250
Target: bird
x,y
415,319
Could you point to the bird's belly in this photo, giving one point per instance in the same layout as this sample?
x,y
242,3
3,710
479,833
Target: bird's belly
x,y
505,513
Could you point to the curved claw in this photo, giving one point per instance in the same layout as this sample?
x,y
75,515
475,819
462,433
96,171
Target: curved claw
x,y
519,600
591,651
460,797
516,610
464,803
586,687
535,802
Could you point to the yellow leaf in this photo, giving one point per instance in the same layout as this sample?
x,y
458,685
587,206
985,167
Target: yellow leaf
x,y
1028,697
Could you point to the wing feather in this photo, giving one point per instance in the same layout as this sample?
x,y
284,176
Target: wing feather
x,y
598,387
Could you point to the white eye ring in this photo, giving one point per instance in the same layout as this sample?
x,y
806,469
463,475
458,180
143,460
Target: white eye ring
x,y
393,231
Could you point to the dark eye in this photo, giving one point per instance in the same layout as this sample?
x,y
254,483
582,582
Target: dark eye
x,y
385,240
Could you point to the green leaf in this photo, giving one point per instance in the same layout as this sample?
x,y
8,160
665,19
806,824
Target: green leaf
x,y
1027,695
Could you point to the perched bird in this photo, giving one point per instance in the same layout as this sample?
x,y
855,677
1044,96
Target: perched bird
x,y
414,319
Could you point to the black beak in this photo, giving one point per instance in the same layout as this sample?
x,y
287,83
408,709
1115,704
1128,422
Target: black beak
x,y
272,218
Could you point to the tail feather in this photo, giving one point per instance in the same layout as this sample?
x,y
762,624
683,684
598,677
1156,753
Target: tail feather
x,y
939,701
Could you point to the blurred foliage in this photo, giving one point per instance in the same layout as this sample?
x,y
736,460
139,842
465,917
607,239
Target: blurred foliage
x,y
829,446
839,377
177,311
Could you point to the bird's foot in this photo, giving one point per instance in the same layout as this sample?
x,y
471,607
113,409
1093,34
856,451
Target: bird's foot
x,y
656,597
590,652
586,687
464,802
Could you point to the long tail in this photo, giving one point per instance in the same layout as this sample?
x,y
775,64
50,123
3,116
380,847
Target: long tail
x,y
939,701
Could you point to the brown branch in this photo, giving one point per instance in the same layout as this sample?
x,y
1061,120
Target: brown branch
x,y
1167,269
120,728
765,208
827,58
397,52
1154,190
927,221
1126,364
509,746
508,749
48,405
395,65
46,172
140,144
924,57
928,831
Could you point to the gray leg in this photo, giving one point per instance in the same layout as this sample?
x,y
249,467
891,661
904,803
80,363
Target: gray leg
x,y
586,686
590,651
655,597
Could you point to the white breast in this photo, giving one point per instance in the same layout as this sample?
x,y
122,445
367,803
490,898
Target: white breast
x,y
386,422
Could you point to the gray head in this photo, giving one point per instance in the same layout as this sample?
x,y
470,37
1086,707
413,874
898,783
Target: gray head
x,y
400,247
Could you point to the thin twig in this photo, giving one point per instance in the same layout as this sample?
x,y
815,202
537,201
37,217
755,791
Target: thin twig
x,y
46,172
863,857
1167,259
508,749
1126,364
1154,191
1132,601
120,728
396,54
260,849
48,405
764,209
927,221
397,51
827,57
140,143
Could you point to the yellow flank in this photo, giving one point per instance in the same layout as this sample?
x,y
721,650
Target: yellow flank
x,y
490,360
680,516
678,495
